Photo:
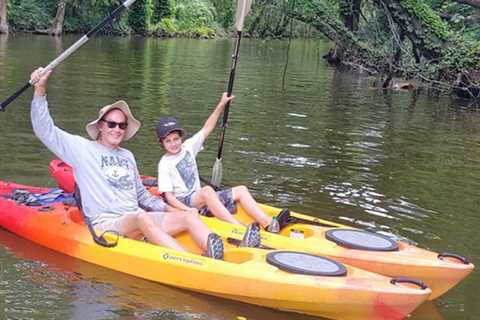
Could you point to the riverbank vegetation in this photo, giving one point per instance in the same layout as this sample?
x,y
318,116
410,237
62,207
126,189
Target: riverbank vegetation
x,y
434,42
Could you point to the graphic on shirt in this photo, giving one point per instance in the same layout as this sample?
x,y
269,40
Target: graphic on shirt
x,y
117,173
186,169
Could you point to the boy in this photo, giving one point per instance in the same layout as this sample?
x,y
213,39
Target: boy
x,y
178,176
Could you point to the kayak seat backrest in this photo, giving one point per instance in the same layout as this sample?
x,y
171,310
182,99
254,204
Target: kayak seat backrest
x,y
76,216
62,172
77,196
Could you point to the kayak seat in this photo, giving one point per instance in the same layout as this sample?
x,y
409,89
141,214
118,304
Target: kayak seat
x,y
62,172
76,216
283,218
238,256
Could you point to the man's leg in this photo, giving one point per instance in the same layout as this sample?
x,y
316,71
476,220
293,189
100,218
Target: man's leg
x,y
129,225
207,196
178,221
242,195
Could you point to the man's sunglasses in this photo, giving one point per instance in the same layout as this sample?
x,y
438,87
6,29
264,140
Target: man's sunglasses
x,y
113,124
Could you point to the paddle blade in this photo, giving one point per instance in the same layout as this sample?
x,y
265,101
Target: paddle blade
x,y
217,172
243,8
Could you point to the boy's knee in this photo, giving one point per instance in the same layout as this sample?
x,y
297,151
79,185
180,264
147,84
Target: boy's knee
x,y
208,191
191,216
241,189
193,211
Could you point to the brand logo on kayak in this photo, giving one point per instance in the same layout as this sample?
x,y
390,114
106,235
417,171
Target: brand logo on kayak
x,y
263,236
237,231
167,256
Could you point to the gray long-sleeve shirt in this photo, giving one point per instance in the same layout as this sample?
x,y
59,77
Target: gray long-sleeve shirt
x,y
107,178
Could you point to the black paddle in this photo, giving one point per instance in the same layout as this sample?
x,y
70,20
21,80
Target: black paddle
x,y
64,55
243,7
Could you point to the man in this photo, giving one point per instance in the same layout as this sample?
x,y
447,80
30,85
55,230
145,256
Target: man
x,y
113,196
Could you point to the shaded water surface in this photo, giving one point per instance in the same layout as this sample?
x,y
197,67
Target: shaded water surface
x,y
401,163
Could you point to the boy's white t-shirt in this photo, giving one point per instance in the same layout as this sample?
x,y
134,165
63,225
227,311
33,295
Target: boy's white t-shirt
x,y
178,173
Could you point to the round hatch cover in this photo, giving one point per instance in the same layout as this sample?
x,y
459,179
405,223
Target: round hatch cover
x,y
361,240
304,263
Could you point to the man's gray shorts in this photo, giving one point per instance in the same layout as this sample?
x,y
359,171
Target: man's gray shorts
x,y
115,224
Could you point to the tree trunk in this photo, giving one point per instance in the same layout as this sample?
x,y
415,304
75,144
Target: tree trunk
x,y
349,50
427,32
350,12
57,25
3,16
473,3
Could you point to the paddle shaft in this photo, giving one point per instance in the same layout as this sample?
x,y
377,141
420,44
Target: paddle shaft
x,y
74,47
231,79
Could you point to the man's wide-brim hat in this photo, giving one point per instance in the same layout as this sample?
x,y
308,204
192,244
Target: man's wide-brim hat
x,y
133,124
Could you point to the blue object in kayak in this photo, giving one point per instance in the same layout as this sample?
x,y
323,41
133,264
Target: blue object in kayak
x,y
54,195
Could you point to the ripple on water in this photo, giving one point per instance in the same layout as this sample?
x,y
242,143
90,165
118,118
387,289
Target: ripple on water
x,y
376,204
32,291
284,159
296,127
297,115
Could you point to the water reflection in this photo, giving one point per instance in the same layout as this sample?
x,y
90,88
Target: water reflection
x,y
71,289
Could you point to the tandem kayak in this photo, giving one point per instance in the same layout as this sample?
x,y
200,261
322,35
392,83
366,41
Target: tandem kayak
x,y
367,250
285,280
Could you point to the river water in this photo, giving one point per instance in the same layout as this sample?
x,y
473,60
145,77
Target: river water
x,y
402,163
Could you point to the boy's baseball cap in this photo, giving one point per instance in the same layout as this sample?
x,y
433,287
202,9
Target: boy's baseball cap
x,y
167,125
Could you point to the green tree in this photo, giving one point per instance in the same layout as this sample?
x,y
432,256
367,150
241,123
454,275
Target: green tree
x,y
398,38
30,15
141,15
225,13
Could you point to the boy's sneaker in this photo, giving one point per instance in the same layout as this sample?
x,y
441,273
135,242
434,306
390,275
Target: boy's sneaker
x,y
214,246
284,217
274,226
251,238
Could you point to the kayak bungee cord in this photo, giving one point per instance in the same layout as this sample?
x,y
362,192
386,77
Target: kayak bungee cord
x,y
74,47
100,240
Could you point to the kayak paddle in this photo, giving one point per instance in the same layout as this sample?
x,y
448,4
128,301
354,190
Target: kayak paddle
x,y
243,7
65,54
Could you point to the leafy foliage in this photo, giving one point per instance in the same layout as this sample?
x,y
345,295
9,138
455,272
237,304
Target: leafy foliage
x,y
432,40
81,16
195,17
161,17
29,14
